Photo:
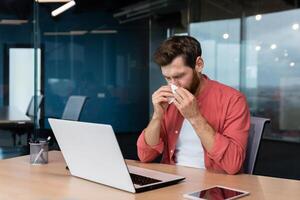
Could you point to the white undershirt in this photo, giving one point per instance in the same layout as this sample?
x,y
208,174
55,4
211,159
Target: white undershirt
x,y
189,150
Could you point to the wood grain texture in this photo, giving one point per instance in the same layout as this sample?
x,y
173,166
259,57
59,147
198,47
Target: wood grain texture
x,y
20,180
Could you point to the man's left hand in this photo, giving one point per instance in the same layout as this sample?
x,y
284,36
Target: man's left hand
x,y
186,103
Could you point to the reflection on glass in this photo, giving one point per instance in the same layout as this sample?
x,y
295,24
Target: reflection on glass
x,y
217,193
220,41
272,73
268,71
99,59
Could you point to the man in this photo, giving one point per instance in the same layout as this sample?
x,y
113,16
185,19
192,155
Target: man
x,y
207,123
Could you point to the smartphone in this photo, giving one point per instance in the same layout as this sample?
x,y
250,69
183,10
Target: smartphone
x,y
216,192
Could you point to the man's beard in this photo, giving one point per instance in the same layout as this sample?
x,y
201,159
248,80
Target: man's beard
x,y
195,83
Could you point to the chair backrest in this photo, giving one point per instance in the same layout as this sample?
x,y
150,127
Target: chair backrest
x,y
30,108
255,134
73,108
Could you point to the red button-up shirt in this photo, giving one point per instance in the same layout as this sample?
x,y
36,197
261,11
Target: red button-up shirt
x,y
226,110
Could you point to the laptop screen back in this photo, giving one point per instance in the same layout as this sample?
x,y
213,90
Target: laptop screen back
x,y
91,151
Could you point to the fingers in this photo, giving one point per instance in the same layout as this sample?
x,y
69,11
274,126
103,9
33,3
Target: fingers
x,y
182,95
160,99
186,103
162,95
164,91
177,104
165,88
165,94
178,98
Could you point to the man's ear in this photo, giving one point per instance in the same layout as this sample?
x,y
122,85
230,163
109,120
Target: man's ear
x,y
199,64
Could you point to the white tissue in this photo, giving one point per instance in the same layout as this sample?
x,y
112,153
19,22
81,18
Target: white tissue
x,y
173,88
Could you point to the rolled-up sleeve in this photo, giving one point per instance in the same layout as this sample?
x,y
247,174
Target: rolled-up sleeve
x,y
229,148
147,153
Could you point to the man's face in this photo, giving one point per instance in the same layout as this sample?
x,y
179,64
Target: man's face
x,y
179,74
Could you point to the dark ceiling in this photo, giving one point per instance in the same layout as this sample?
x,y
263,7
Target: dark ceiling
x,y
23,8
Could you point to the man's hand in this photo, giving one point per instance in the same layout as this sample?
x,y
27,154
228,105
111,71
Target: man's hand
x,y
160,103
186,103
160,100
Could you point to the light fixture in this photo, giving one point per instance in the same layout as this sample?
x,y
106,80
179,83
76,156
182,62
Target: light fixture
x,y
67,33
56,33
295,26
258,17
286,54
63,8
52,1
181,34
273,46
225,36
258,48
78,32
104,31
292,64
13,21
276,59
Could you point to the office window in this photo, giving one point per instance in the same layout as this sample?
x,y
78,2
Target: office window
x,y
220,42
21,77
263,64
272,67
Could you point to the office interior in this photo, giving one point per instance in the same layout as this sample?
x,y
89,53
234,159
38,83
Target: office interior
x,y
102,50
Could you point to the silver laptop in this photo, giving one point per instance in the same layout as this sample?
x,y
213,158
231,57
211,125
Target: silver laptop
x,y
91,152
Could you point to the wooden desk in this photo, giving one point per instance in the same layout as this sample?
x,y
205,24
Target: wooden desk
x,y
13,120
20,180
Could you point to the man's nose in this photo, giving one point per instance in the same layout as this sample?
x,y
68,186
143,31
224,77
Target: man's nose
x,y
174,81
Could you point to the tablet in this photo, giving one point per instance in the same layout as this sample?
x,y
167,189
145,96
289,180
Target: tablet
x,y
216,192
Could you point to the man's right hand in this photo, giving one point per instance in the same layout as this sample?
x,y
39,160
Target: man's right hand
x,y
160,103
160,100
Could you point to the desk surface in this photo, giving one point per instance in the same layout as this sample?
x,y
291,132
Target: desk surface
x,y
10,116
20,180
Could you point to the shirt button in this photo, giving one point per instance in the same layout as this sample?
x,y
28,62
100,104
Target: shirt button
x,y
176,132
171,151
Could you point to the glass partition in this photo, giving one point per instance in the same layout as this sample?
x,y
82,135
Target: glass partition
x,y
272,70
91,54
220,41
16,77
258,55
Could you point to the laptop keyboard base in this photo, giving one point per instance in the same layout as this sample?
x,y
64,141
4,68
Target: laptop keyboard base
x,y
142,180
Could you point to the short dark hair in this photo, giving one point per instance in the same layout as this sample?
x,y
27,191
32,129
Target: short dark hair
x,y
186,46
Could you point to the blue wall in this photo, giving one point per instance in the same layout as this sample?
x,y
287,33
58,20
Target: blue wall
x,y
111,69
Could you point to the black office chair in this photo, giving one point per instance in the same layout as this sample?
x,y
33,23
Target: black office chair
x,y
28,127
30,109
74,107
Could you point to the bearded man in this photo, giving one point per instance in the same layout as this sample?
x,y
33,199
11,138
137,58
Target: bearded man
x,y
197,122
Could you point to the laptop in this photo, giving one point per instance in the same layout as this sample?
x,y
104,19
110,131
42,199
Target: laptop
x,y
92,152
